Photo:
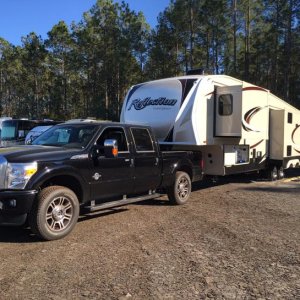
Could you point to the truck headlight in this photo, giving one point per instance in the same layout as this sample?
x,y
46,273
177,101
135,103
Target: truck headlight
x,y
18,174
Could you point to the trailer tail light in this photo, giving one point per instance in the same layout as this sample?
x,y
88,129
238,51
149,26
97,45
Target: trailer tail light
x,y
202,164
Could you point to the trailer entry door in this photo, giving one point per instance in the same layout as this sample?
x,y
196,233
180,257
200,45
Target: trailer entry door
x,y
228,111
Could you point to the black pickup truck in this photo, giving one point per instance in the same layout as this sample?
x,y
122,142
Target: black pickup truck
x,y
84,167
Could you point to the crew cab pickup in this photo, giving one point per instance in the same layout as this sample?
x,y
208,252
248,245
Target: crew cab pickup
x,y
77,168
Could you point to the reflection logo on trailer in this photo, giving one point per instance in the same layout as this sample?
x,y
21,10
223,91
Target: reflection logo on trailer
x,y
140,104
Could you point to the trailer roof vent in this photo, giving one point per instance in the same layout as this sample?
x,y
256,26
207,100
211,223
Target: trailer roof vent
x,y
199,71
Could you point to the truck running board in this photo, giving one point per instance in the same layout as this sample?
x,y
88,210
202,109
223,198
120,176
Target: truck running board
x,y
122,202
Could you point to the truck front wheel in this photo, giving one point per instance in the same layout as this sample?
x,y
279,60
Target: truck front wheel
x,y
55,213
180,192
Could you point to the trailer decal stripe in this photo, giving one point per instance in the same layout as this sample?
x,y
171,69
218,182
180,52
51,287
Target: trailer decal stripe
x,y
293,133
293,138
263,158
254,88
255,145
296,150
132,91
187,85
209,94
245,128
248,116
169,137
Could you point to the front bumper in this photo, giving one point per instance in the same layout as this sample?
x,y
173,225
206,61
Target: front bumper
x,y
15,205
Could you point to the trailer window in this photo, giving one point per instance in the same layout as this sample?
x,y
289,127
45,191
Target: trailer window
x,y
225,105
142,139
290,118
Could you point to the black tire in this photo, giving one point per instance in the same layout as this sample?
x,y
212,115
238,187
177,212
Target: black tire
x,y
55,213
280,173
273,174
180,192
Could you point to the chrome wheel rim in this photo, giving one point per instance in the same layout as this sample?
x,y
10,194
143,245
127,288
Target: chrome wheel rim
x,y
59,214
183,188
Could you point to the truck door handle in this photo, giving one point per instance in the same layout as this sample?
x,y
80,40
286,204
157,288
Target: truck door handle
x,y
156,161
131,162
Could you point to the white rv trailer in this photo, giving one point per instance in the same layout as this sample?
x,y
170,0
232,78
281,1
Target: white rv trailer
x,y
239,127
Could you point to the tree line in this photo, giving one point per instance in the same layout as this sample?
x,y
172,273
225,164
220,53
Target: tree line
x,y
85,70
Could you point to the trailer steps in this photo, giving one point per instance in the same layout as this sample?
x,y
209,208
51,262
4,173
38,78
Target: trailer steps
x,y
95,207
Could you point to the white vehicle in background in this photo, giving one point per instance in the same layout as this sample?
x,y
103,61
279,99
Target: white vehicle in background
x,y
35,132
14,131
3,119
38,130
88,120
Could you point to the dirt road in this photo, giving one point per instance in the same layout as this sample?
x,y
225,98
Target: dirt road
x,y
231,241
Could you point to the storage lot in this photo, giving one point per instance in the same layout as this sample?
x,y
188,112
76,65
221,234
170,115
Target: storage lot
x,y
238,240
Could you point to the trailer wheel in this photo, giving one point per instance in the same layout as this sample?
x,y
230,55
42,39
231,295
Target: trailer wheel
x,y
180,192
273,174
280,173
55,213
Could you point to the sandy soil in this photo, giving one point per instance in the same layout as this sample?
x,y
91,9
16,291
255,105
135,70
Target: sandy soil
x,y
233,240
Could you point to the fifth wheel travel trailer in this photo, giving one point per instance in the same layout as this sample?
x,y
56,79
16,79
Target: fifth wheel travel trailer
x,y
238,127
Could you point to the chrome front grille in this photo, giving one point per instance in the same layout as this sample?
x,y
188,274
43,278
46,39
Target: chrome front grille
x,y
3,167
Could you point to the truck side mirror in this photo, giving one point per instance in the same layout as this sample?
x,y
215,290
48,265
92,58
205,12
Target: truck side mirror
x,y
110,148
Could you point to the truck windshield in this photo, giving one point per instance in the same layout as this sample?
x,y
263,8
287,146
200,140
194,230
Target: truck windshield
x,y
72,136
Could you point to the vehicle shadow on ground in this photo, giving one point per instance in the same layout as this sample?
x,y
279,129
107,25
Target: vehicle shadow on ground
x,y
286,185
155,202
20,234
101,213
290,189
23,234
208,182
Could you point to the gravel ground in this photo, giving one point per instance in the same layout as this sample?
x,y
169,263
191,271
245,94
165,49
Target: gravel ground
x,y
233,240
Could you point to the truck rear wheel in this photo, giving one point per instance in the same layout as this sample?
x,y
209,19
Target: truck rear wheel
x,y
180,192
55,213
